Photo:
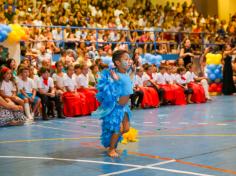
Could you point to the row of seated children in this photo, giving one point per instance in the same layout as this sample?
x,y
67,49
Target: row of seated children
x,y
32,91
72,94
171,85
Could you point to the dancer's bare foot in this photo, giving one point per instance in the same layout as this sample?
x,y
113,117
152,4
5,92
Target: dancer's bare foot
x,y
112,153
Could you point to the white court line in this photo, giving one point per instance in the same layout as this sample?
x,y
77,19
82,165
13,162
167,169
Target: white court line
x,y
74,131
151,166
181,172
75,160
111,163
165,122
147,122
76,124
221,124
183,123
135,169
203,123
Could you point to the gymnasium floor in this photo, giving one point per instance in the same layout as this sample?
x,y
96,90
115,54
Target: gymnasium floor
x,y
174,140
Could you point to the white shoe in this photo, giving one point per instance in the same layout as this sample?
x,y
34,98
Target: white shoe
x,y
29,122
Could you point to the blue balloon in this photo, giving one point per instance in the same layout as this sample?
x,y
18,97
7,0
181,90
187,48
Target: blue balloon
x,y
147,56
144,61
219,76
159,58
158,64
153,59
1,39
219,67
7,28
208,71
111,65
106,60
217,71
211,67
212,77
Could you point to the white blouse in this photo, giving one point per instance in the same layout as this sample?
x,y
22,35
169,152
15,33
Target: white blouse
x,y
70,83
190,76
138,81
181,79
160,79
59,80
82,80
7,87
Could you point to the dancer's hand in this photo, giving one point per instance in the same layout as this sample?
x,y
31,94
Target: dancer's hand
x,y
114,75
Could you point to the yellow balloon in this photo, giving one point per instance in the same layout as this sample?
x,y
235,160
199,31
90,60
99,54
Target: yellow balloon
x,y
17,33
13,37
213,59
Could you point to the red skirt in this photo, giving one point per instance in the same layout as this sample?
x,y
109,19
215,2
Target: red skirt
x,y
169,94
198,93
179,95
74,104
174,94
90,98
150,97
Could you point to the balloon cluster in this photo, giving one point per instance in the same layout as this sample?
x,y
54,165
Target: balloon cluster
x,y
213,58
152,59
12,33
215,87
107,60
214,72
4,31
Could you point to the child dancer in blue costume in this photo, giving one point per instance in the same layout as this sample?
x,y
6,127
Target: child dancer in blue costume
x,y
114,88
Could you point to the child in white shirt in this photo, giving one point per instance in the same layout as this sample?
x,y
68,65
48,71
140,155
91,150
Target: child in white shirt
x,y
48,95
27,90
137,96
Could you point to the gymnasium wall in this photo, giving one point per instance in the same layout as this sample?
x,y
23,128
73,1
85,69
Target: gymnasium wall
x,y
226,8
161,2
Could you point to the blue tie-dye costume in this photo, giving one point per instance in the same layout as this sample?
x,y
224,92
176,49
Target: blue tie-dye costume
x,y
110,111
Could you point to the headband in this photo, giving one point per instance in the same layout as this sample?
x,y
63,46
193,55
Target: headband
x,y
4,69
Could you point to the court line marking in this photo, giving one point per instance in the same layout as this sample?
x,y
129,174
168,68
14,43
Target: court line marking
x,y
135,169
75,160
184,162
97,137
48,139
61,129
108,163
221,124
133,153
188,135
78,123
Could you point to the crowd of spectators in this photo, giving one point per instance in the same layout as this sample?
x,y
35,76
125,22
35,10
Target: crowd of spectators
x,y
140,28
167,20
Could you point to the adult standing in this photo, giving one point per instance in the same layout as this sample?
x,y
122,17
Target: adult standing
x,y
186,53
228,82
